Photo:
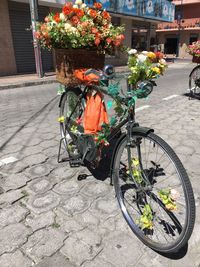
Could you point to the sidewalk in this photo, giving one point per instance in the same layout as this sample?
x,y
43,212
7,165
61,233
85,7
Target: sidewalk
x,y
8,82
15,81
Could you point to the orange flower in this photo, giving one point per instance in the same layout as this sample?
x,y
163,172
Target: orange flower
x,y
79,12
108,40
120,37
106,15
97,41
98,5
92,13
117,43
56,17
67,9
84,24
37,35
94,30
75,20
46,19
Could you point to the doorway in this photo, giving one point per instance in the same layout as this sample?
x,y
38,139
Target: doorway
x,y
171,45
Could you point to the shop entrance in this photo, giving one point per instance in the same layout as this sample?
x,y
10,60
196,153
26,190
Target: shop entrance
x,y
140,38
171,45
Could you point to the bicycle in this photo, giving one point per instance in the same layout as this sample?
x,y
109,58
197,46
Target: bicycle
x,y
152,187
194,82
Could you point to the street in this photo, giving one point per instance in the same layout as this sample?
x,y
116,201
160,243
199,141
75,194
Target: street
x,y
48,217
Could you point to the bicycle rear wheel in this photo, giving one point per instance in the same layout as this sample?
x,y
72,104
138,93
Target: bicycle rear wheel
x,y
194,82
154,192
71,111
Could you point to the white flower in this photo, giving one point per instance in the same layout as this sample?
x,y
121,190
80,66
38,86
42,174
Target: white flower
x,y
83,6
75,6
62,16
132,52
68,27
162,61
78,2
145,53
73,30
141,58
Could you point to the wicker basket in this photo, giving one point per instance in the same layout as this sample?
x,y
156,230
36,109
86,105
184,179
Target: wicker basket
x,y
68,60
196,59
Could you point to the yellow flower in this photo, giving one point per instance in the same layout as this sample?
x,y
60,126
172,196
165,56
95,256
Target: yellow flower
x,y
151,55
156,70
61,119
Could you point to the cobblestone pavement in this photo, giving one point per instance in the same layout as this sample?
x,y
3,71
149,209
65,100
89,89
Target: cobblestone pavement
x,y
49,218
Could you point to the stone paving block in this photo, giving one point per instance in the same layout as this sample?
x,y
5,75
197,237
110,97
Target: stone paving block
x,y
42,203
96,188
11,197
105,206
14,181
40,185
97,262
88,219
57,260
121,249
13,236
12,214
16,259
43,243
75,204
82,246
38,170
40,221
35,159
68,186
64,172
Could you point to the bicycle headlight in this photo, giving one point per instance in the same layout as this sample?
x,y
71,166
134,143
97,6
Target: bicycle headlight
x,y
109,71
144,88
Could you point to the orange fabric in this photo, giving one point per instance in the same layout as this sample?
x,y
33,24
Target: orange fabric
x,y
90,78
95,114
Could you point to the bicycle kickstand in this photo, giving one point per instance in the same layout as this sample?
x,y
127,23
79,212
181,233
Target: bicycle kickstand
x,y
59,152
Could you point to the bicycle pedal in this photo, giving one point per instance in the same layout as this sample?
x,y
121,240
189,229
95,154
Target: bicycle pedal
x,y
75,163
82,177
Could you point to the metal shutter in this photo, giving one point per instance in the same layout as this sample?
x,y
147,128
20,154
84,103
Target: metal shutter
x,y
20,20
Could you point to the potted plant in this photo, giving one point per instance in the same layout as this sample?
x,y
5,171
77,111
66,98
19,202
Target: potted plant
x,y
80,36
194,50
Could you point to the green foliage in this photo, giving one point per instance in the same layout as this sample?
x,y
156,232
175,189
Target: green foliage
x,y
146,219
165,195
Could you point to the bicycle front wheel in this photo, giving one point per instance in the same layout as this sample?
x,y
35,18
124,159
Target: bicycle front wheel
x,y
154,192
194,82
71,112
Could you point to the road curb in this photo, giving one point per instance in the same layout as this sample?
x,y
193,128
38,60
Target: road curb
x,y
26,84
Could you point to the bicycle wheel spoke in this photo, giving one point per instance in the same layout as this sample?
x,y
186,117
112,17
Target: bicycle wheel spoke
x,y
155,207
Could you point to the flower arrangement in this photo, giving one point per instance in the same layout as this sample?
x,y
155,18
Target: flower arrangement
x,y
145,66
194,49
79,26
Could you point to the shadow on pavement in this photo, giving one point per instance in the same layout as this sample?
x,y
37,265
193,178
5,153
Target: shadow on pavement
x,y
34,116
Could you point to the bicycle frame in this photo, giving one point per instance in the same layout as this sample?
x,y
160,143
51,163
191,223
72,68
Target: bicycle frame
x,y
129,121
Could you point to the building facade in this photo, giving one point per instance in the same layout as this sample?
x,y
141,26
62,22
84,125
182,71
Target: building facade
x,y
140,18
174,37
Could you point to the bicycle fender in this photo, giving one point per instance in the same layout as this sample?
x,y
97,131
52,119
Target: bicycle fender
x,y
143,130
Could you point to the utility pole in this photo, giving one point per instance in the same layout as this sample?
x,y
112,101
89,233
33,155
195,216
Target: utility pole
x,y
36,45
179,19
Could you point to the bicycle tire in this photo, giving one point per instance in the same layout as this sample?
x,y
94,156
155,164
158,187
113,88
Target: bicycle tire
x,y
182,227
194,87
67,104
